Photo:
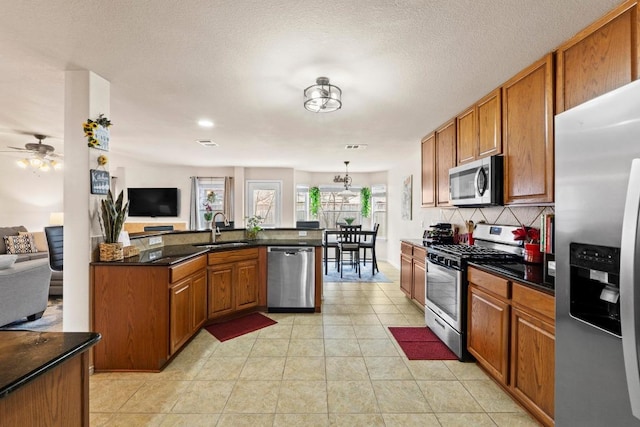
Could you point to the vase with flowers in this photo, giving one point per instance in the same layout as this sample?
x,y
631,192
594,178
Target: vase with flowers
x,y
208,208
253,227
531,237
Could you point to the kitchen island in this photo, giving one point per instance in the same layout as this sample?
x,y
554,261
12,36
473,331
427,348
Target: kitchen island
x,y
44,378
147,307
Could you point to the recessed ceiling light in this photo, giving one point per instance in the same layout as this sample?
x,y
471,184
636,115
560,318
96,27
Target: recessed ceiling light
x,y
205,123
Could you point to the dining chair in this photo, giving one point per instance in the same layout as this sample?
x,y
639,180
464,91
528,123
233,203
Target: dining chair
x,y
327,244
371,244
350,243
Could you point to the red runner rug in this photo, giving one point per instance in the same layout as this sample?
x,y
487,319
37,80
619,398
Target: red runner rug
x,y
419,343
236,327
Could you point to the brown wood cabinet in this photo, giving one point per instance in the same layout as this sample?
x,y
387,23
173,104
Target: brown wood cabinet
x,y
533,351
511,332
428,156
233,281
527,114
445,160
489,112
144,313
413,272
479,129
488,323
600,58
188,308
467,136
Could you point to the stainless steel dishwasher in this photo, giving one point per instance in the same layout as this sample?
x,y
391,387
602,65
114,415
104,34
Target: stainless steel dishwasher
x,y
290,279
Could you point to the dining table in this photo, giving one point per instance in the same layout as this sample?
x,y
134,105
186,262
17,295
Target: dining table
x,y
331,238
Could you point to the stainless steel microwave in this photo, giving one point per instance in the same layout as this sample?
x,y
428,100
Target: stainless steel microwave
x,y
478,183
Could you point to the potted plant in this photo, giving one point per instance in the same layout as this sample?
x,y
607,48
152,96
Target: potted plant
x,y
208,208
253,226
111,218
349,220
365,202
314,201
531,236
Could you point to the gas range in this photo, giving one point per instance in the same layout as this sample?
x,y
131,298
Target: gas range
x,y
446,280
456,256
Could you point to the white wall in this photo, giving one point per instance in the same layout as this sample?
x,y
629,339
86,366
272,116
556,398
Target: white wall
x,y
27,197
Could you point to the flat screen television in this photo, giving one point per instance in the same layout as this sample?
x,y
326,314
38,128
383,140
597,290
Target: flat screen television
x,y
153,201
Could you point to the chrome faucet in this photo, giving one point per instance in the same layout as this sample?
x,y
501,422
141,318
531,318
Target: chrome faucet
x,y
215,231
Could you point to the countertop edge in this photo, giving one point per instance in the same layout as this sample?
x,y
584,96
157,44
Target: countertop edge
x,y
12,386
533,285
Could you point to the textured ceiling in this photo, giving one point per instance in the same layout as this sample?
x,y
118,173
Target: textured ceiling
x,y
404,67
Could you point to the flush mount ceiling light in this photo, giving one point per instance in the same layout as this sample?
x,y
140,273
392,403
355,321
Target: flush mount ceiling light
x,y
322,97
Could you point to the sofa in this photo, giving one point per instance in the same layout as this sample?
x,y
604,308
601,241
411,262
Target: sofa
x,y
24,290
37,249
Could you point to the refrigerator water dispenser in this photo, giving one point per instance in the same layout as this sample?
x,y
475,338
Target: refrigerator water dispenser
x,y
595,286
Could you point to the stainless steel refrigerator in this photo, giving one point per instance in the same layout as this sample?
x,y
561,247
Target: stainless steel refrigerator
x,y
597,252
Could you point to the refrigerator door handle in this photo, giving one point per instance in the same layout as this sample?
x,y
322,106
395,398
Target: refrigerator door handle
x,y
629,292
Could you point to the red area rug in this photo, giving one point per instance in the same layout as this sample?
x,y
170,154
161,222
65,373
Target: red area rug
x,y
236,327
419,343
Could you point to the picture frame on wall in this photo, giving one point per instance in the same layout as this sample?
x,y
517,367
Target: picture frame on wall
x,y
100,181
406,202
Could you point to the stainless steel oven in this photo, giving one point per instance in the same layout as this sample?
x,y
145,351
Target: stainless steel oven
x,y
446,281
444,311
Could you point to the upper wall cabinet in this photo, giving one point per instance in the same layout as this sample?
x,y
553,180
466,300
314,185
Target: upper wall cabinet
x,y
602,57
479,129
467,136
490,124
429,171
445,160
527,109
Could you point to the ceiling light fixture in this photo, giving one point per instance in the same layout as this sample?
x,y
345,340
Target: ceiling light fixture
x,y
40,163
322,97
347,193
205,123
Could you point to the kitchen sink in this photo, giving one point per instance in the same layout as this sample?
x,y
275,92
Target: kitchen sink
x,y
223,245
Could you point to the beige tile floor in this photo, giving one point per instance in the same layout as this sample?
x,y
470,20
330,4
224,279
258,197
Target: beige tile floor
x,y
338,368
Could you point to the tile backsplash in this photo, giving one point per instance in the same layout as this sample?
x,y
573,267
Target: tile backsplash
x,y
511,215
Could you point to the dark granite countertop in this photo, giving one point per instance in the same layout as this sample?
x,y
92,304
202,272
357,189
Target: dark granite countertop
x,y
173,254
24,355
531,275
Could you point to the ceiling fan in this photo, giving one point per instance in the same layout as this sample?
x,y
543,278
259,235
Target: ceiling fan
x,y
42,156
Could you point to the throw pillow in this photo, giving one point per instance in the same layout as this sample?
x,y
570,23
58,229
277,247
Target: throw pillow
x,y
40,239
9,231
20,244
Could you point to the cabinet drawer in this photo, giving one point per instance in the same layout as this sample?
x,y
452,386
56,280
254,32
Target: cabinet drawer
x,y
406,249
186,268
489,282
419,254
533,300
232,256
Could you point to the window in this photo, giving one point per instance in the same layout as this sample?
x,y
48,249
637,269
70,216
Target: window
x,y
302,203
379,208
334,208
264,198
205,187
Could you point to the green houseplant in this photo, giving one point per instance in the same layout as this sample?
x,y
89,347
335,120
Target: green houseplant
x,y
113,213
253,226
365,202
314,201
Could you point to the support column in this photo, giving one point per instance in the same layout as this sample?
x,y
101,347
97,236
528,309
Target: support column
x,y
86,96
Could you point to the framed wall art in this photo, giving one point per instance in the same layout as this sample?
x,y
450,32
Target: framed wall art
x,y
406,202
100,182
